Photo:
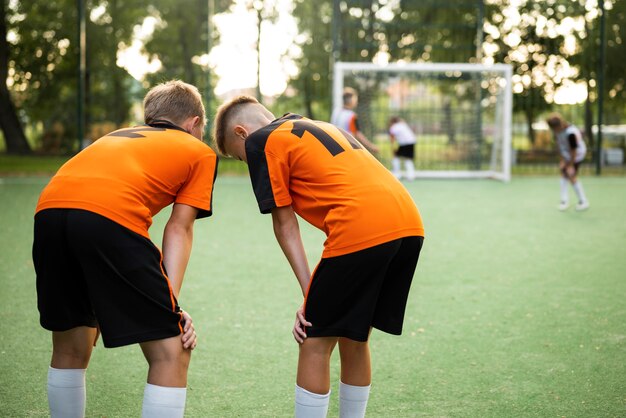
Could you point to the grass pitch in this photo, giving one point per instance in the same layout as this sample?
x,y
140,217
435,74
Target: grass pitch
x,y
517,310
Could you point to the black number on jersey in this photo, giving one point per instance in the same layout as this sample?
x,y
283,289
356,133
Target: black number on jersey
x,y
132,132
302,126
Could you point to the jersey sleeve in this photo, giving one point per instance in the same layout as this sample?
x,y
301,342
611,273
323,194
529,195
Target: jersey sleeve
x,y
354,123
197,191
269,175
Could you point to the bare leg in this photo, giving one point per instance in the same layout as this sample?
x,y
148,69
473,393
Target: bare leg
x,y
165,393
356,367
356,376
314,364
168,362
72,349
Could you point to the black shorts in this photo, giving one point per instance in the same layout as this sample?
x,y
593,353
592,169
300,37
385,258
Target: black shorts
x,y
406,151
92,272
351,293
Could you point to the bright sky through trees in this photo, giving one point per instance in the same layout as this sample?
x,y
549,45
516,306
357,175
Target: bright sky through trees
x,y
234,58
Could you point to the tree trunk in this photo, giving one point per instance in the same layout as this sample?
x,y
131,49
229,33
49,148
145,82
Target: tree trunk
x,y
187,55
9,123
529,123
589,119
448,122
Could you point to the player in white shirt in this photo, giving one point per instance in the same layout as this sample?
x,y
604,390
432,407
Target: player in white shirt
x,y
400,132
572,150
347,119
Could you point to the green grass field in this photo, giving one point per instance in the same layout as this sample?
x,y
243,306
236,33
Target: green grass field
x,y
517,310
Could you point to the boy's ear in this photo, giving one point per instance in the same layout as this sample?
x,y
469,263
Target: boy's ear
x,y
240,131
191,123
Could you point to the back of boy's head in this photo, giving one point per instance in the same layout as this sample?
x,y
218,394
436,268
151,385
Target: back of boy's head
x,y
175,101
556,121
394,119
226,114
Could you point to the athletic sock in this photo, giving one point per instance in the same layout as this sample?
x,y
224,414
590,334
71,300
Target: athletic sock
x,y
578,188
163,402
66,393
409,166
353,400
564,194
311,405
395,167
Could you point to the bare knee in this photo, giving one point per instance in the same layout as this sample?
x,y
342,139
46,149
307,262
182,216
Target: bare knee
x,y
318,347
355,362
314,364
70,357
168,362
351,347
72,349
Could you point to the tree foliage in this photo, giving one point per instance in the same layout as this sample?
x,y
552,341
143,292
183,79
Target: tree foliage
x,y
43,59
16,142
42,51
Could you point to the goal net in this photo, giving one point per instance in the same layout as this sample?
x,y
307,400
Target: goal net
x,y
460,113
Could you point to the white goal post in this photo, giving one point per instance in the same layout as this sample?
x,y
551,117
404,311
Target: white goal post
x,y
461,113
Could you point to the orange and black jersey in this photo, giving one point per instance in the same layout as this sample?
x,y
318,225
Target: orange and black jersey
x,y
332,182
131,174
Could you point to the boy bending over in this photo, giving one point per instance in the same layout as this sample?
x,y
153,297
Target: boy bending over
x,y
374,237
96,265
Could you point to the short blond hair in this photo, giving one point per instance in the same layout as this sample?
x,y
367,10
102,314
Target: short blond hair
x,y
175,101
225,114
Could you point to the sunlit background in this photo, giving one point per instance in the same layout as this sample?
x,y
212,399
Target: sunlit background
x,y
566,55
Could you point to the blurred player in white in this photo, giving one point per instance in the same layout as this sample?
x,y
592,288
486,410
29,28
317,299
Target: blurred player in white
x,y
347,119
572,150
401,132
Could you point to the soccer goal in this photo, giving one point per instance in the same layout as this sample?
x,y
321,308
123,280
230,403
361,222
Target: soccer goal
x,y
460,113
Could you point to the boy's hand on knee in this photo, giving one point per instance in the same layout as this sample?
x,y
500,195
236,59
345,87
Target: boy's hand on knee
x,y
299,332
189,338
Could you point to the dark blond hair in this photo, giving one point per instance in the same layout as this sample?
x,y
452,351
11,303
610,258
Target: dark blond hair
x,y
225,113
348,94
175,101
556,121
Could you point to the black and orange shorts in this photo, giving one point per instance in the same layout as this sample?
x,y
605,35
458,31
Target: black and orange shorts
x,y
351,293
92,272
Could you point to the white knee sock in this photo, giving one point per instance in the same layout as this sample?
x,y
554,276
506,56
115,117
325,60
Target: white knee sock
x,y
66,393
163,402
578,188
353,400
409,167
395,167
564,194
311,405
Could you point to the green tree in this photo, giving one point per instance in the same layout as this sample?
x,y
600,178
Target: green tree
x,y
588,57
314,21
181,36
110,86
357,30
9,122
43,64
529,39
